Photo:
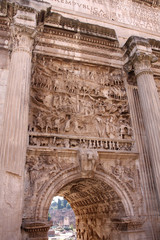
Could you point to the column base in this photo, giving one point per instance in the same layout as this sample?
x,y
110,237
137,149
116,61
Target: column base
x,y
128,229
36,230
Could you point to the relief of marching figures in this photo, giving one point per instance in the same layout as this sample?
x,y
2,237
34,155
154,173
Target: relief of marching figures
x,y
54,75
77,99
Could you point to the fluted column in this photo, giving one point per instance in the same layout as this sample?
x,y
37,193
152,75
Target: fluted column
x,y
14,134
141,58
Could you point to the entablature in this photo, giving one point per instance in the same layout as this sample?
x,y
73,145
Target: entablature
x,y
69,38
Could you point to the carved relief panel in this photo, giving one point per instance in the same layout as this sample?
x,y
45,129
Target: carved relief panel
x,y
75,99
157,81
41,166
124,171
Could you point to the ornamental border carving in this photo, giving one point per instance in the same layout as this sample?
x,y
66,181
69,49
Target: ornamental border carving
x,y
76,174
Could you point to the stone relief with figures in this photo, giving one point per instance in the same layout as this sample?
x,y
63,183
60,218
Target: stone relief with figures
x,y
95,205
75,99
157,81
43,165
123,171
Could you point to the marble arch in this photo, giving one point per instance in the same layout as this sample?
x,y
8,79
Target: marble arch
x,y
99,194
54,189
79,99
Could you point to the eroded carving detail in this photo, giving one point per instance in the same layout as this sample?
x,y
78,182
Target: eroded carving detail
x,y
94,204
40,167
88,161
126,174
56,141
78,100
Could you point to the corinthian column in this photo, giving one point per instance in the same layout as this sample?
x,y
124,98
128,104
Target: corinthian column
x,y
141,58
14,134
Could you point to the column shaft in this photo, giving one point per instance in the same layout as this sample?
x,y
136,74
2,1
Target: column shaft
x,y
149,100
14,134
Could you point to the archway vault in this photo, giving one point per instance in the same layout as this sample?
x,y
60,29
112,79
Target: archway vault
x,y
100,187
78,190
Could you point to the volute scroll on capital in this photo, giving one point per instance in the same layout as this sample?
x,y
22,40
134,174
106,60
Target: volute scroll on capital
x,y
140,63
22,39
25,23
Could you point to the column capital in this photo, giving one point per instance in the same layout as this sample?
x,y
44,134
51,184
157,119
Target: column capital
x,y
139,56
22,35
37,230
128,223
141,62
28,15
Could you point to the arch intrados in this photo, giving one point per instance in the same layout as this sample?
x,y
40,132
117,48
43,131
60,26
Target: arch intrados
x,y
53,190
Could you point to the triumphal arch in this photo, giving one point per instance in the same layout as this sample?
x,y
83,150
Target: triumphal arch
x,y
80,117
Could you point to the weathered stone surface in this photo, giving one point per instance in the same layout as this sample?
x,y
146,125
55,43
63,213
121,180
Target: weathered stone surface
x,y
79,117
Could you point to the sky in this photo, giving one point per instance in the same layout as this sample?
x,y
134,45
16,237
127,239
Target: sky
x,y
57,197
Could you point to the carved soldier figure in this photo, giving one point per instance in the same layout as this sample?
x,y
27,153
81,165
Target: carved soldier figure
x,y
56,125
99,126
67,125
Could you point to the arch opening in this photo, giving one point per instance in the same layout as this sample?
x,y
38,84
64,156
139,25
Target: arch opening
x,y
95,205
63,220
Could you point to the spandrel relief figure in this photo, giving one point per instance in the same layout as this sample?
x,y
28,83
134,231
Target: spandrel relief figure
x,y
126,174
39,167
32,168
117,170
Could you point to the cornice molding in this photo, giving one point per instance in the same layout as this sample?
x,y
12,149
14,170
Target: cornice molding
x,y
58,21
50,32
40,8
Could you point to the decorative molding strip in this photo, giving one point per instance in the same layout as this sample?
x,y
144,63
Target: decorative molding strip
x,y
71,142
76,26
